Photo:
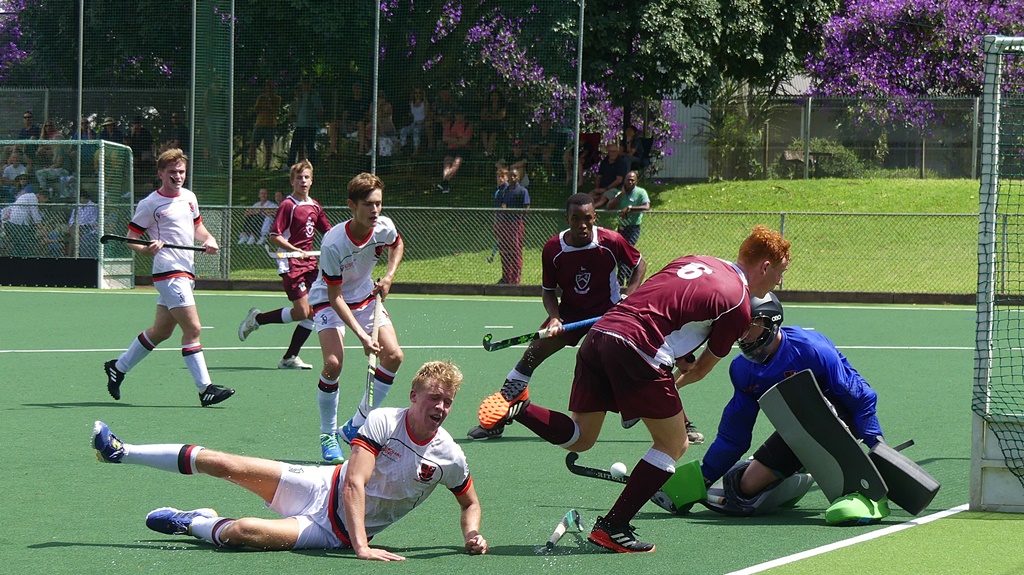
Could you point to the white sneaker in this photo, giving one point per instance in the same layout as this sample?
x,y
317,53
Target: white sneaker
x,y
294,362
249,324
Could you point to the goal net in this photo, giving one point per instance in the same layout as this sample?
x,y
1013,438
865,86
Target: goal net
x,y
997,458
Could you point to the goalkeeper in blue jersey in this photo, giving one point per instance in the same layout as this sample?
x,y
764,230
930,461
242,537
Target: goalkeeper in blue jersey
x,y
771,353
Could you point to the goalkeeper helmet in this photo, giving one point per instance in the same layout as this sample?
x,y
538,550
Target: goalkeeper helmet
x,y
765,321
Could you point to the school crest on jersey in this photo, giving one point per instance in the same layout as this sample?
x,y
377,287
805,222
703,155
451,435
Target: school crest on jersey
x,y
426,472
582,285
310,227
377,251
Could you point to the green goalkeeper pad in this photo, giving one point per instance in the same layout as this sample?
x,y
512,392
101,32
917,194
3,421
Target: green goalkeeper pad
x,y
855,509
684,488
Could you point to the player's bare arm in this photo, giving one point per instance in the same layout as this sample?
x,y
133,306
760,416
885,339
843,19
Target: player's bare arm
x,y
204,236
279,241
345,313
639,272
395,254
550,301
694,372
150,249
353,493
470,521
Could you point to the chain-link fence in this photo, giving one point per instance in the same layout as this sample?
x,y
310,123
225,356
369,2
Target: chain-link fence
x,y
832,252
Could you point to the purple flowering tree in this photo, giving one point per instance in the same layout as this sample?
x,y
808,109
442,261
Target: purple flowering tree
x,y
893,54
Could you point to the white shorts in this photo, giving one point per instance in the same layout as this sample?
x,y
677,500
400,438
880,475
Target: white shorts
x,y
304,493
175,292
328,318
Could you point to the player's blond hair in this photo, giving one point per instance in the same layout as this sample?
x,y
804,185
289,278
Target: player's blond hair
x,y
171,156
764,244
298,168
362,185
444,373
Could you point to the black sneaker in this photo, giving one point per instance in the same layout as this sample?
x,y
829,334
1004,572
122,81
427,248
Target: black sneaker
x,y
480,434
114,378
213,395
618,538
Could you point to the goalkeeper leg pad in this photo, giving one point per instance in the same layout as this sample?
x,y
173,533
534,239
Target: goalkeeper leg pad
x,y
684,488
910,486
725,496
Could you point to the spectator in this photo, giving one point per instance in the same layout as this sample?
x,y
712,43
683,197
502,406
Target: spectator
x,y
110,132
354,111
457,135
492,120
177,134
610,174
632,148
442,112
418,110
29,131
387,134
631,204
140,140
12,169
542,144
268,104
83,220
520,161
513,202
305,112
588,156
23,222
258,220
84,131
57,160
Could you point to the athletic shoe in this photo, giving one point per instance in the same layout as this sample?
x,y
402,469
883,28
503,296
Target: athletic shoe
x,y
348,432
695,437
618,538
293,362
109,449
213,395
175,521
501,407
627,423
330,449
249,324
114,378
480,434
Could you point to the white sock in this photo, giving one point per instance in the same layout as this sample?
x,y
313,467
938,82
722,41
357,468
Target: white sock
x,y
136,352
196,363
514,375
172,457
286,315
660,459
382,382
328,403
209,528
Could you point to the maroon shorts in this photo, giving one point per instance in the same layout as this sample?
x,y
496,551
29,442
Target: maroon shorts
x,y
612,376
297,283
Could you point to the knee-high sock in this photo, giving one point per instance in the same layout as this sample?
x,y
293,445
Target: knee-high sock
x,y
209,529
650,473
136,352
382,381
299,337
327,399
196,362
282,315
172,457
551,426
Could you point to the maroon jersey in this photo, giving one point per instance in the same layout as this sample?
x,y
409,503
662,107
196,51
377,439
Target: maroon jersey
x,y
298,223
693,300
587,275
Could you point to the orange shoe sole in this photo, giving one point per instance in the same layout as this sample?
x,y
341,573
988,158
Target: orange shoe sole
x,y
494,408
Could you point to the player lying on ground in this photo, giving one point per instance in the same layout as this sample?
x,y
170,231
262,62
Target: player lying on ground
x,y
581,261
170,215
770,353
343,296
397,460
298,219
625,365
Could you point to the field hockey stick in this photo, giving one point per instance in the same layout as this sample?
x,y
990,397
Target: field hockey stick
x,y
284,255
594,472
572,517
539,334
494,252
140,242
371,368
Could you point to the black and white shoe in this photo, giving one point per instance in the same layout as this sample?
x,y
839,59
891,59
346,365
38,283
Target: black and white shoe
x,y
114,378
213,395
618,538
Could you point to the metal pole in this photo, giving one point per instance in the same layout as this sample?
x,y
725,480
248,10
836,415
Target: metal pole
x,y
807,141
974,138
192,102
579,101
376,87
78,146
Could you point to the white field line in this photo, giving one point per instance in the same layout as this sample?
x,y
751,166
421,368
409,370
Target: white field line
x,y
848,542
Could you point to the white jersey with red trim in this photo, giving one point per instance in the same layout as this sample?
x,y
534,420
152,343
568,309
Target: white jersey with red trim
x,y
349,261
172,220
406,471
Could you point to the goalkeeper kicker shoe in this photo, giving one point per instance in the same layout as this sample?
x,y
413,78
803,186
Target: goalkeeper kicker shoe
x,y
214,394
175,521
109,449
114,378
249,324
618,538
330,449
502,407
